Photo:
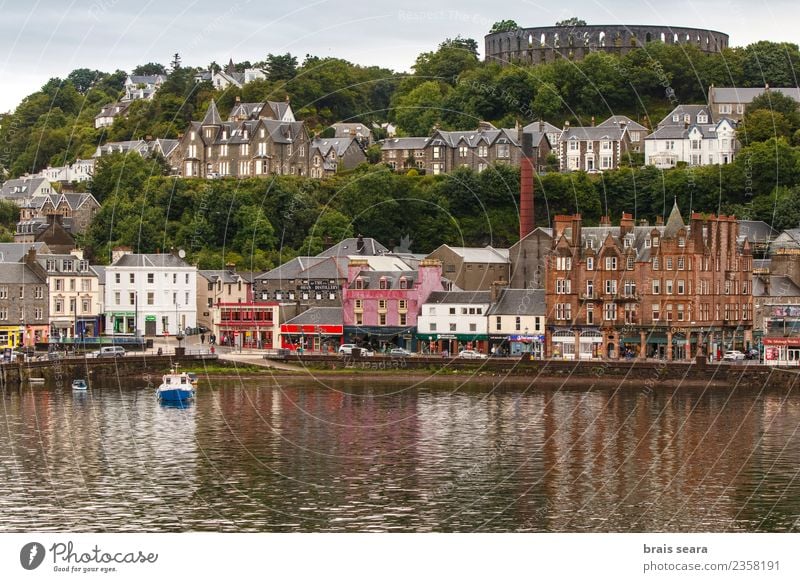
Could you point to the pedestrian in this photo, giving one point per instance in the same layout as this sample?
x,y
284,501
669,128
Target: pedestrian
x,y
202,338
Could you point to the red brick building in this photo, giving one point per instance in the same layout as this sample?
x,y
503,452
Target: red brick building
x,y
665,291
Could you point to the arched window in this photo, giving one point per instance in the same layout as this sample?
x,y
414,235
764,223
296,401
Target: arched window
x,y
602,39
648,37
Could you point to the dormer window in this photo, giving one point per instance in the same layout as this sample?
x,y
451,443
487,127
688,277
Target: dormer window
x,y
655,241
687,118
359,283
403,283
681,241
626,242
702,118
647,243
676,118
384,283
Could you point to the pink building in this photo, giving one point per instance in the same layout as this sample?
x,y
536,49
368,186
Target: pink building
x,y
381,307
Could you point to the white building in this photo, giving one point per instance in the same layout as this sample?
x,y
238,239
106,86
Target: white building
x,y
142,86
454,320
689,134
150,294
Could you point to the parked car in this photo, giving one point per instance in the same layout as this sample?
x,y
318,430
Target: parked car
x,y
111,352
399,353
347,350
751,354
195,330
733,356
471,355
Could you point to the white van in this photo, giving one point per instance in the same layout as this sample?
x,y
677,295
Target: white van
x,y
111,352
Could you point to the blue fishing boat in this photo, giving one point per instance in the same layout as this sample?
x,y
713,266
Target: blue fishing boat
x,y
176,387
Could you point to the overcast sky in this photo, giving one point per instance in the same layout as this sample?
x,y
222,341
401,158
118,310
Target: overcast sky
x,y
49,38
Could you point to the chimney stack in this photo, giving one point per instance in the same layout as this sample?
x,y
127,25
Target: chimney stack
x,y
659,221
497,287
592,120
605,220
526,211
626,224
238,99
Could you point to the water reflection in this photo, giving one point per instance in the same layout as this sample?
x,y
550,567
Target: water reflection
x,y
353,456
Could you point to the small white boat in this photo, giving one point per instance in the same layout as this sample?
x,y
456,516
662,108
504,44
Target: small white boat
x,y
79,384
176,387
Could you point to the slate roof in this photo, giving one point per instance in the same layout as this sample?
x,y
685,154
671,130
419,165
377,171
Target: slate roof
x,y
474,137
108,109
373,278
338,145
756,230
215,275
460,297
674,222
21,187
308,268
681,111
13,252
101,273
534,127
746,95
405,143
318,316
519,302
19,273
342,130
592,133
487,254
616,120
348,247
212,115
150,260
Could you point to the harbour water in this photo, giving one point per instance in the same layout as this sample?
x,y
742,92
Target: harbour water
x,y
371,455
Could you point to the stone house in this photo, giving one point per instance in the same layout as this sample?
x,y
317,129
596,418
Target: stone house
x,y
24,304
592,149
328,155
732,102
473,268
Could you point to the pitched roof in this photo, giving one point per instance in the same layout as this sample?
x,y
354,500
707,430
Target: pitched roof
x,y
519,302
215,275
13,252
746,95
756,230
338,145
344,130
779,286
405,143
674,222
487,254
393,277
682,111
21,187
318,316
592,133
19,273
464,297
150,260
349,246
212,115
617,120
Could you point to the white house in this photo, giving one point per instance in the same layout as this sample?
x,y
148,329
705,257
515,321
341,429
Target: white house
x,y
142,86
689,134
109,112
516,322
454,320
153,294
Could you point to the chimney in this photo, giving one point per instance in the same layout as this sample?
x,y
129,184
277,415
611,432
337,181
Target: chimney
x,y
526,211
30,256
497,287
119,252
148,138
576,230
592,120
767,279
230,267
354,267
287,98
659,221
560,223
626,224
77,253
605,220
360,245
566,125
238,99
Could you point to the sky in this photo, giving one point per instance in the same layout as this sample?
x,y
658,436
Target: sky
x,y
40,39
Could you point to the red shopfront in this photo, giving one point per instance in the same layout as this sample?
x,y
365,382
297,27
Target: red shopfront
x,y
781,351
313,338
248,325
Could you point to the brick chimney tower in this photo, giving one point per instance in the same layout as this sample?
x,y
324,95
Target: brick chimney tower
x,y
526,216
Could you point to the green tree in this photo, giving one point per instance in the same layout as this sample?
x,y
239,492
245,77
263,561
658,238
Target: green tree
x,y
574,21
149,69
453,57
770,63
762,124
331,227
421,109
281,67
503,26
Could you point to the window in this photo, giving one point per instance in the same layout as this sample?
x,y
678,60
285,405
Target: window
x,y
498,323
656,312
669,263
517,323
483,151
610,311
590,289
151,298
655,241
3,291
473,327
382,304
655,286
132,298
681,313
433,327
681,263
563,311
590,263
38,313
610,287
611,263
381,319
402,319
681,241
563,263
725,108
656,264
59,306
358,304
563,286
59,284
132,278
589,315
503,150
116,298
359,318
630,288
681,286
668,286
86,285
630,263
462,151
452,327
402,304
21,292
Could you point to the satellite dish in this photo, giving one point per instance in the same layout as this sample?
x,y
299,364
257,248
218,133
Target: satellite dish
x,y
182,254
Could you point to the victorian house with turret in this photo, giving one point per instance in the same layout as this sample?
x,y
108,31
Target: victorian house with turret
x,y
256,140
669,291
